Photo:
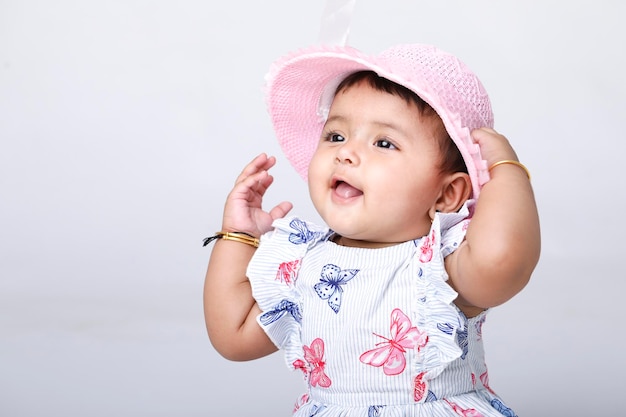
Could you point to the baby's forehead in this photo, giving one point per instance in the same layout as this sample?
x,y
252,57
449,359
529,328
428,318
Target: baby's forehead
x,y
365,79
351,95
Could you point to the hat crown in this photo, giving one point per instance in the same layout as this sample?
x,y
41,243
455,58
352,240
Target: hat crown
x,y
450,81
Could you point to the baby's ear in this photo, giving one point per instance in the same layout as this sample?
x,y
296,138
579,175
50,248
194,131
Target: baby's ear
x,y
455,191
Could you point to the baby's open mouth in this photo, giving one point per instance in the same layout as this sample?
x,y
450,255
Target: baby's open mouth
x,y
345,190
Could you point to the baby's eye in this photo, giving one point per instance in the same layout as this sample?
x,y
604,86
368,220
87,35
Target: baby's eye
x,y
384,143
335,137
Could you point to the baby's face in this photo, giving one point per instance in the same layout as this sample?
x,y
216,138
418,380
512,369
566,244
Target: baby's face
x,y
375,175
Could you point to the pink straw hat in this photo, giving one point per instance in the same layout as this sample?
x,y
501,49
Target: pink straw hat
x,y
301,86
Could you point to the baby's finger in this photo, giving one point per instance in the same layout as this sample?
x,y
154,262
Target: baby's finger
x,y
281,210
252,167
494,146
263,183
484,133
255,184
260,163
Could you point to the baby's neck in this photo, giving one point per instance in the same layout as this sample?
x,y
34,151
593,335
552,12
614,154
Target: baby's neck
x,y
366,244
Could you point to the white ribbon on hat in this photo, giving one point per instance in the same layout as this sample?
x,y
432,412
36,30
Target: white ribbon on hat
x,y
336,19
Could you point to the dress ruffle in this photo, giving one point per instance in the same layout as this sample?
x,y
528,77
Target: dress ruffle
x,y
464,405
278,298
437,314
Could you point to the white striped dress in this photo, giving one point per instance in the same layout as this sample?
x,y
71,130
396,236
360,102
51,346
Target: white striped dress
x,y
375,332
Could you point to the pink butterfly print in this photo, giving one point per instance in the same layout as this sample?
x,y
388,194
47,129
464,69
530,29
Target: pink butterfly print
x,y
314,355
301,401
484,378
299,364
390,353
479,327
427,248
420,387
288,272
469,412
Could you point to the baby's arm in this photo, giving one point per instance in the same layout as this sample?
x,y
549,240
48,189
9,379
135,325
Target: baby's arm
x,y
229,308
502,244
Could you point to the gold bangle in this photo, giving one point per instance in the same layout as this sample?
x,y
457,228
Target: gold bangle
x,y
512,162
234,236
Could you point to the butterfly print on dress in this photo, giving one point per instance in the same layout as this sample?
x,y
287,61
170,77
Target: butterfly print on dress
x,y
420,387
461,340
316,409
374,410
447,328
279,310
421,393
427,248
461,336
302,234
479,327
390,353
484,379
502,409
330,285
300,402
314,355
288,271
465,412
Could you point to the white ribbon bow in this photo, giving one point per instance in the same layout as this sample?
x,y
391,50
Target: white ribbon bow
x,y
336,19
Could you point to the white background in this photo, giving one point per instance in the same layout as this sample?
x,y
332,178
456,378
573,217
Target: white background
x,y
123,124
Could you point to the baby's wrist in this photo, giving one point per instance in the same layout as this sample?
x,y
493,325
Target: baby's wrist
x,y
510,162
240,237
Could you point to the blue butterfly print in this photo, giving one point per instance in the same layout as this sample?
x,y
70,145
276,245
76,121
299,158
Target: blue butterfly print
x,y
374,410
316,409
461,340
503,409
447,328
303,234
279,310
430,397
329,288
461,336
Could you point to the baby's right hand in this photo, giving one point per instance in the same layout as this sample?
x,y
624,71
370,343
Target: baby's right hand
x,y
243,211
